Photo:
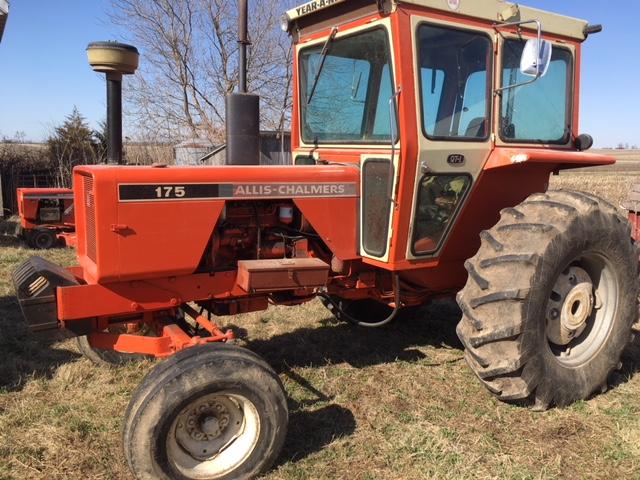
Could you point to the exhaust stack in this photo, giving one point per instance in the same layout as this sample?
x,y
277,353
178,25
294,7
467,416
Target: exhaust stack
x,y
243,108
115,60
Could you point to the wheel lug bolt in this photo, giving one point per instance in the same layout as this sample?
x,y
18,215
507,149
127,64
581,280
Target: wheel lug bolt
x,y
554,314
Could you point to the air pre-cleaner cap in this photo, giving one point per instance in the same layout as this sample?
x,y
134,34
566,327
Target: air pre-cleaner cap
x,y
113,57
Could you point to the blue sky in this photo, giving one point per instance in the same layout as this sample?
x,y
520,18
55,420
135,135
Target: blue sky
x,y
44,71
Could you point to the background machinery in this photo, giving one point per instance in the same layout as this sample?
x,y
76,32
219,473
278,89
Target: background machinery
x,y
424,133
47,217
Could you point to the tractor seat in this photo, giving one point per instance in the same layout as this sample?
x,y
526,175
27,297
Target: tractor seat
x,y
477,128
425,244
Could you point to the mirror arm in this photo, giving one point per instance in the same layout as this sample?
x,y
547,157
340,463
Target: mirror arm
x,y
499,91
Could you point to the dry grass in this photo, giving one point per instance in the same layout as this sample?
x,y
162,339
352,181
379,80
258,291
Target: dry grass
x,y
395,403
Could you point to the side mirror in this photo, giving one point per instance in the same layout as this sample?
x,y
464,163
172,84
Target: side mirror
x,y
536,55
536,58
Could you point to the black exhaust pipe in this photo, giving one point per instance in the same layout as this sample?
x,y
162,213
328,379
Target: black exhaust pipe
x,y
243,108
115,60
114,119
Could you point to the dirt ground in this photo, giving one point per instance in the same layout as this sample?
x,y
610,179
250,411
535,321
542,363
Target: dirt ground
x,y
394,403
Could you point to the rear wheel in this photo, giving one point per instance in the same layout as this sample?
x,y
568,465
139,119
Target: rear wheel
x,y
550,299
211,412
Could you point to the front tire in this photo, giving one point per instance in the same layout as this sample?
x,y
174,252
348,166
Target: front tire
x,y
550,299
111,358
212,412
106,358
42,239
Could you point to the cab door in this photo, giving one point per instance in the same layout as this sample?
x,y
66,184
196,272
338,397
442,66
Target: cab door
x,y
454,76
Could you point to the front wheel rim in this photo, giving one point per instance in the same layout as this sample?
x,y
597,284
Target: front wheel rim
x,y
213,435
582,309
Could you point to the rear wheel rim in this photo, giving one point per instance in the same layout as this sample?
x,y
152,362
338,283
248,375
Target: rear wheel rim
x,y
213,436
584,301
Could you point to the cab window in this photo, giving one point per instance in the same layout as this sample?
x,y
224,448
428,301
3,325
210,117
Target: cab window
x,y
455,82
541,111
439,198
353,86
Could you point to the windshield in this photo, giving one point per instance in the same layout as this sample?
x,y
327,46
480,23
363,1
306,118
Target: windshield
x,y
350,103
539,112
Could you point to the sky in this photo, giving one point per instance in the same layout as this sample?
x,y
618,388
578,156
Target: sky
x,y
44,71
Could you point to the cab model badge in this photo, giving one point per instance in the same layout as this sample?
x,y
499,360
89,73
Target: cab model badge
x,y
456,159
454,4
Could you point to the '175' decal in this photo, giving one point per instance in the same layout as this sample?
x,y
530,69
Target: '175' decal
x,y
206,191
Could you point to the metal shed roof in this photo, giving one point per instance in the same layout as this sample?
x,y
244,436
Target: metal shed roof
x,y
491,10
4,14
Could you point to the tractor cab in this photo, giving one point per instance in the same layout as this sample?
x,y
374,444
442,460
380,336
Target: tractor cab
x,y
427,96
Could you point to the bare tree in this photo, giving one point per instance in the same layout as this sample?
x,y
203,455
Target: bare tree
x,y
189,64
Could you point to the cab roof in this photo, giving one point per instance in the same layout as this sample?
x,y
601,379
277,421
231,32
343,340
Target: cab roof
x,y
498,11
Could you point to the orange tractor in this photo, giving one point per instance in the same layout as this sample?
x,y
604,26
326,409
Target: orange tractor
x,y
424,134
46,217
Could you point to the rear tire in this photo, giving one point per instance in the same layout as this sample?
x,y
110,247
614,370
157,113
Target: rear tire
x,y
550,299
216,398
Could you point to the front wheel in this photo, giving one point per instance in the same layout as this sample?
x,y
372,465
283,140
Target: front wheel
x,y
216,412
42,239
550,300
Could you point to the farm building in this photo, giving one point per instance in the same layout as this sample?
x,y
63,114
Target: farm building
x,y
4,14
275,148
190,151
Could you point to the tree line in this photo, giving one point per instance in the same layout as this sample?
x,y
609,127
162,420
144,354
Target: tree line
x,y
71,143
189,64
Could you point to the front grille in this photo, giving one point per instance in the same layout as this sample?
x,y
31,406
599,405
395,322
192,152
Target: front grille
x,y
90,212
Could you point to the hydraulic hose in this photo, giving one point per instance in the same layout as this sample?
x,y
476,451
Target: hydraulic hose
x,y
382,323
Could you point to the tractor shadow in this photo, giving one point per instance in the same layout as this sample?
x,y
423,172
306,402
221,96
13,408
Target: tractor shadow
x,y
310,431
311,427
630,361
10,241
334,342
26,355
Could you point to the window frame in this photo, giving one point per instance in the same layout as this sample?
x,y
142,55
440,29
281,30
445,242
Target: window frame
x,y
454,216
571,87
368,111
490,79
387,212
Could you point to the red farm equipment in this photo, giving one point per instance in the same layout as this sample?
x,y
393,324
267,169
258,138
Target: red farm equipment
x,y
47,217
424,133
